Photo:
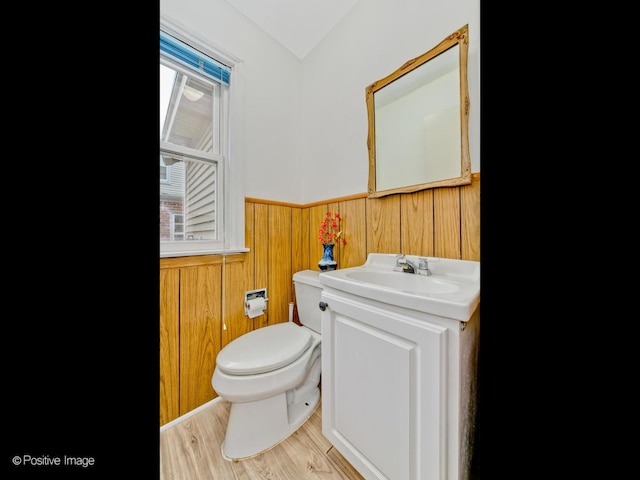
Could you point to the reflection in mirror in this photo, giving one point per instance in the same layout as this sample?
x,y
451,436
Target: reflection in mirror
x,y
418,122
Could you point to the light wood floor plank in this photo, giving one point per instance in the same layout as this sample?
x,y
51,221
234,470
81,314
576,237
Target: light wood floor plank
x,y
191,450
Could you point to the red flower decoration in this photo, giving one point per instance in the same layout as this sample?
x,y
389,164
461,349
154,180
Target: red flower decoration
x,y
330,230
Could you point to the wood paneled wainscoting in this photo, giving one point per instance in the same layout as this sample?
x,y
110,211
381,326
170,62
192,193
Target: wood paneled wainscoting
x,y
202,297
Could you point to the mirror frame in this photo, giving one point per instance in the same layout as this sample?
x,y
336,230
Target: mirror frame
x,y
458,38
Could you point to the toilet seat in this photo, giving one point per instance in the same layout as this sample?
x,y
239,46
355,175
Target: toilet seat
x,y
264,349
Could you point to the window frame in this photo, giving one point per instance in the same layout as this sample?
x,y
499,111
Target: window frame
x,y
230,194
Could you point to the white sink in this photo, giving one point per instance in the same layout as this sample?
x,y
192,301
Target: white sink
x,y
452,291
416,284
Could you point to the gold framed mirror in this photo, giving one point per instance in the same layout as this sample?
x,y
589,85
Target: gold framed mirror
x,y
418,122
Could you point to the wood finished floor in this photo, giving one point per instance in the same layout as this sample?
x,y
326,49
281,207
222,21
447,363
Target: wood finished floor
x,y
191,450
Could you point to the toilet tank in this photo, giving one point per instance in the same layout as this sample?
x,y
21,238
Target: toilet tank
x,y
308,290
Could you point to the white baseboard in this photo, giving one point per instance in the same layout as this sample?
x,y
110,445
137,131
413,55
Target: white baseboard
x,y
188,414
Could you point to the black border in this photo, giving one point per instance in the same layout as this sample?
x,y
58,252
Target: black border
x,y
81,350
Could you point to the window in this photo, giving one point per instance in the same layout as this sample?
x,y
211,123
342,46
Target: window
x,y
165,171
177,226
194,146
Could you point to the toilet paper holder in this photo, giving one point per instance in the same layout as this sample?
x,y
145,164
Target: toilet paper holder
x,y
252,295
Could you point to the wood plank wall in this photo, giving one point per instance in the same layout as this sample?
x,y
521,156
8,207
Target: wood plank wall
x,y
282,238
440,222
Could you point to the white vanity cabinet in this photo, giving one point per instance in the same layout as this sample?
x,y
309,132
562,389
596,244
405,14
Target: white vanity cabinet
x,y
398,388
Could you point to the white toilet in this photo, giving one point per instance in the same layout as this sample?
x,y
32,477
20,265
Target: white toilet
x,y
271,376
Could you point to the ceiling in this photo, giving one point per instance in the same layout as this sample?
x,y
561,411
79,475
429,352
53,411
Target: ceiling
x,y
299,25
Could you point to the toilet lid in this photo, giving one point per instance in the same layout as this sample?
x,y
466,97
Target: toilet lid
x,y
264,349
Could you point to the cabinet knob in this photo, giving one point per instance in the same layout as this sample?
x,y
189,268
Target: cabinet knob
x,y
323,306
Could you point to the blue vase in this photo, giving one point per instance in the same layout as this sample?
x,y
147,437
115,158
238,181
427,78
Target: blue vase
x,y
327,262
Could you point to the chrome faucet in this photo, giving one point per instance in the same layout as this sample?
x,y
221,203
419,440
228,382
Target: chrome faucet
x,y
423,266
405,265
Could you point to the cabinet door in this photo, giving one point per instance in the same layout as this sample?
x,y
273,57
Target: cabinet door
x,y
200,325
169,334
383,390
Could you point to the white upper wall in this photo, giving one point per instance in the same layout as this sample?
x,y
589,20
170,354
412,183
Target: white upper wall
x,y
304,133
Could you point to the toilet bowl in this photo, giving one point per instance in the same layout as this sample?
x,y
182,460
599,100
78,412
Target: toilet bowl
x,y
271,376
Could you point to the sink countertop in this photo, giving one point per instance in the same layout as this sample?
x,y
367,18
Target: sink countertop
x,y
452,291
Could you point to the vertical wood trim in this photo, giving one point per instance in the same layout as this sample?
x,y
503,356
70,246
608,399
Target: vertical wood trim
x,y
169,346
250,239
237,280
299,236
417,223
279,282
200,318
299,245
470,197
354,217
333,208
446,222
316,216
261,247
306,237
383,224
250,259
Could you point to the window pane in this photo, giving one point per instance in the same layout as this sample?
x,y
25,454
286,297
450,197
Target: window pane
x,y
200,201
186,116
190,195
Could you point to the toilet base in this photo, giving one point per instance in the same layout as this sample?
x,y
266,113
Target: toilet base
x,y
255,427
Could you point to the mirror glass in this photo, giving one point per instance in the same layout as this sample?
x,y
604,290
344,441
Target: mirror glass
x,y
418,122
